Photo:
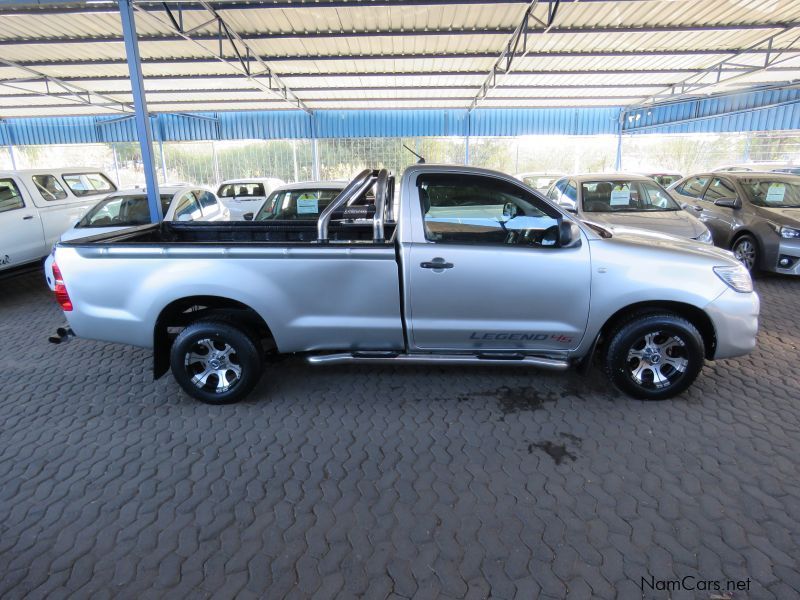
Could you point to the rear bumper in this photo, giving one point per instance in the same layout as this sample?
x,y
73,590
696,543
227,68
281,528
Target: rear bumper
x,y
735,319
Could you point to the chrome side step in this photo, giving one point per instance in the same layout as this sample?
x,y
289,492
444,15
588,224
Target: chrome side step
x,y
449,359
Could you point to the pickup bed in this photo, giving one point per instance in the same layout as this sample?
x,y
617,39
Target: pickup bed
x,y
476,268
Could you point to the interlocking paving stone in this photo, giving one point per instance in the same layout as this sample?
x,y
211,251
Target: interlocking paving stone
x,y
396,482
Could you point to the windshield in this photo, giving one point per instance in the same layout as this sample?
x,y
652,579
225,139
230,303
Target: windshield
x,y
122,211
665,180
298,204
772,192
89,184
621,195
539,182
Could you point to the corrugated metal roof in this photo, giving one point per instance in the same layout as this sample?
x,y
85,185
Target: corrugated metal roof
x,y
393,60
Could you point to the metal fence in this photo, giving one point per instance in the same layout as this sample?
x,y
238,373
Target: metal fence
x,y
293,160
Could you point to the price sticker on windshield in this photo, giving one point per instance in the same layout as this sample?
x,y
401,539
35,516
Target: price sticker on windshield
x,y
307,206
620,197
775,193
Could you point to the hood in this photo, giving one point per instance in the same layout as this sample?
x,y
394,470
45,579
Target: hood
x,y
76,233
783,216
672,222
654,239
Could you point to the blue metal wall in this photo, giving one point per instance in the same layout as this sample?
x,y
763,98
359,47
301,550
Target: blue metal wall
x,y
753,111
770,110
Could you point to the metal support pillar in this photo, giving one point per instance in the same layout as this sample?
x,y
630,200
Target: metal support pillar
x,y
215,161
116,163
13,159
620,125
294,158
163,159
140,105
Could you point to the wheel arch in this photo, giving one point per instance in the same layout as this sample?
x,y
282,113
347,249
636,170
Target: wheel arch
x,y
184,311
696,316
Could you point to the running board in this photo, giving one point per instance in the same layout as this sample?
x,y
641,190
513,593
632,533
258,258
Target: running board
x,y
448,359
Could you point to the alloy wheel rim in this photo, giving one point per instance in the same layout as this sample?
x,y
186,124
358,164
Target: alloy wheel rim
x,y
213,365
657,360
745,253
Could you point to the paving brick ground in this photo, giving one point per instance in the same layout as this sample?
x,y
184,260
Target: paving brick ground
x,y
391,482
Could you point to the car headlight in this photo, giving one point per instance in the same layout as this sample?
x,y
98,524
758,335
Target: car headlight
x,y
789,232
705,237
737,278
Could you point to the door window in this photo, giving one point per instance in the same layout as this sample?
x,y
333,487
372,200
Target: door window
x,y
49,188
89,184
472,209
719,188
693,187
187,208
10,198
557,190
207,200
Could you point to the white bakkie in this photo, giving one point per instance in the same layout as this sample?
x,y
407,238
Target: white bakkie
x,y
38,205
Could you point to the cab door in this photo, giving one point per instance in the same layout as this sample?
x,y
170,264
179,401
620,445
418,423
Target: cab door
x,y
21,235
720,220
484,270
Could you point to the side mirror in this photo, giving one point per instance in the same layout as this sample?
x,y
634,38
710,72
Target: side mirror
x,y
569,234
729,202
248,216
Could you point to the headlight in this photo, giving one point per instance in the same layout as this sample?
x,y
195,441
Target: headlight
x,y
737,277
705,237
789,232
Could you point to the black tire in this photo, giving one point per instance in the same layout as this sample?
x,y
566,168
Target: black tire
x,y
746,250
655,374
237,368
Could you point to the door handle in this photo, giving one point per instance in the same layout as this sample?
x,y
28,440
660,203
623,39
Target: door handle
x,y
436,264
698,208
27,217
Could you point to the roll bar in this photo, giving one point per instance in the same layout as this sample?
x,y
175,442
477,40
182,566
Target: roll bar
x,y
360,184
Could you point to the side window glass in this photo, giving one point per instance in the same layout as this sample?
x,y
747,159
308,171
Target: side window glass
x,y
187,208
693,187
10,198
89,184
206,199
556,190
719,188
49,188
571,191
483,210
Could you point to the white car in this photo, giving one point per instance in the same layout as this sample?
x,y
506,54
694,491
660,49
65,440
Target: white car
x,y
128,208
296,201
243,196
37,205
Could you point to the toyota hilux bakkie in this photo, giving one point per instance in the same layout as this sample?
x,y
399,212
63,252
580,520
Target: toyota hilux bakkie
x,y
474,268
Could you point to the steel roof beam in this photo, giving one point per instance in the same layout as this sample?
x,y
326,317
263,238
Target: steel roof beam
x,y
415,56
43,7
69,91
698,82
245,57
288,35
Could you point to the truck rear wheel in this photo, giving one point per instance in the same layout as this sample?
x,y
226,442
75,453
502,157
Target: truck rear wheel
x,y
215,362
654,356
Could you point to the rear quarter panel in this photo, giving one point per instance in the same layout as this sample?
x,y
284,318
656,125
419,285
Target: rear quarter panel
x,y
328,298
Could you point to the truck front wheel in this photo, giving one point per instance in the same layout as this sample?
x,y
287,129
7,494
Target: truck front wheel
x,y
215,362
654,356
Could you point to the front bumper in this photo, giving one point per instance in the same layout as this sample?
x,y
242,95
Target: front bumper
x,y
735,319
789,250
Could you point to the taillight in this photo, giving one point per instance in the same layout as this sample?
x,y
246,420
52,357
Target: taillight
x,y
62,296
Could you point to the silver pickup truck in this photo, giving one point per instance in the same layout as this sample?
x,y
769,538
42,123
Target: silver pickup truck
x,y
475,269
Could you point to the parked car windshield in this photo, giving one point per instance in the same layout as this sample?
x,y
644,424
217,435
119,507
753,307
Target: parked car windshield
x,y
665,180
539,182
241,190
624,195
89,184
772,192
122,211
299,204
